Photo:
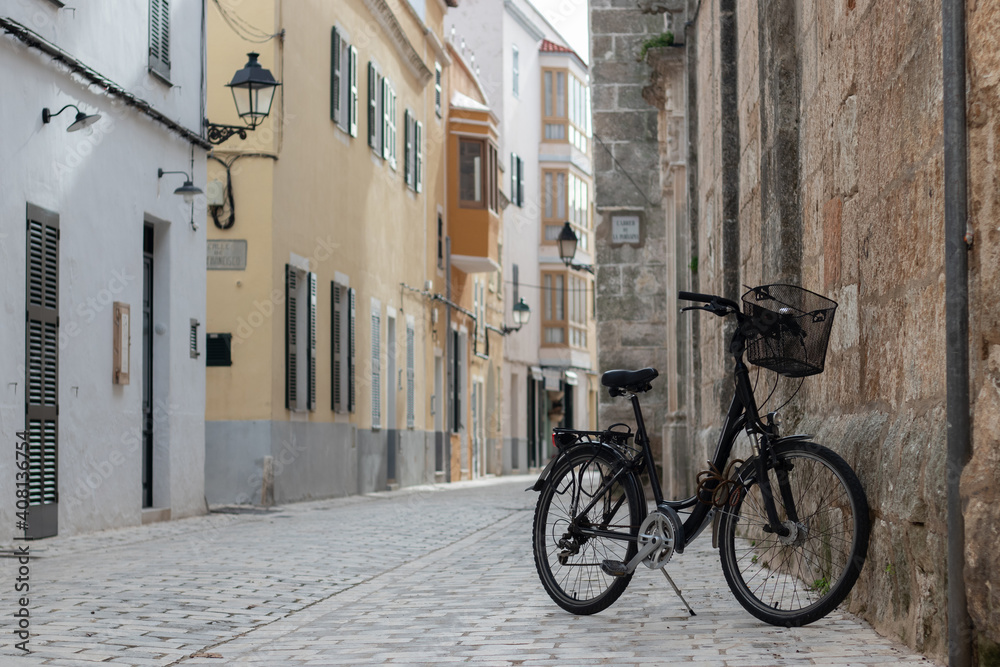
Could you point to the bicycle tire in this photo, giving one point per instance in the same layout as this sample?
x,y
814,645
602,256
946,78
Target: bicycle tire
x,y
578,584
798,579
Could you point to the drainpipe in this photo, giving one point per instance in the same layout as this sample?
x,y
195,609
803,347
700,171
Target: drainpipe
x,y
957,321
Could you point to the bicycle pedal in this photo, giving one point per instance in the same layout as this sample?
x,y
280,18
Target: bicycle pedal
x,y
615,568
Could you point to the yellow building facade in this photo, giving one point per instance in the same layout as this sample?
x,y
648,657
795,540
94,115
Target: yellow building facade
x,y
338,361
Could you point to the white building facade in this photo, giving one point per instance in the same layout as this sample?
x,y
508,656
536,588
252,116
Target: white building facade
x,y
550,375
103,264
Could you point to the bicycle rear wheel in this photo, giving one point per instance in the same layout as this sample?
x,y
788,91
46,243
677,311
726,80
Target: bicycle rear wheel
x,y
799,578
568,561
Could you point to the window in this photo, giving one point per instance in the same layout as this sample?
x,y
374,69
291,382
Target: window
x,y
565,98
516,180
343,84
388,122
410,373
376,111
413,156
300,339
470,173
159,37
376,364
477,174
440,241
564,310
342,343
437,89
515,69
565,198
516,282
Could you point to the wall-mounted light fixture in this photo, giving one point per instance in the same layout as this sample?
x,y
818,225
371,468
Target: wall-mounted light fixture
x,y
567,249
82,120
188,190
522,313
253,92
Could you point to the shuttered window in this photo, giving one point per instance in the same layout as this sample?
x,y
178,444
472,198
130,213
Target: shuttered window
x,y
409,155
300,339
388,122
337,77
376,365
342,343
352,91
437,89
410,385
42,371
374,113
159,37
352,299
418,168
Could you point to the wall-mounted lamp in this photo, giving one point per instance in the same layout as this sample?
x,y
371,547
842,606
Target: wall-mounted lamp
x,y
522,313
82,120
253,92
567,249
188,190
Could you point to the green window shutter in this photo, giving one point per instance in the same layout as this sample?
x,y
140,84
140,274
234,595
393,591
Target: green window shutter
x,y
291,337
410,384
418,167
372,106
311,349
351,339
407,150
336,73
352,102
336,343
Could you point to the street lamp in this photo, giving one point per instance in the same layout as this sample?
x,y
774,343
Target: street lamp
x,y
567,249
253,92
188,190
522,313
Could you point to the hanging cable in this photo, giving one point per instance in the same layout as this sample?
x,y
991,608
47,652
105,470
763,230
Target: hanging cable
x,y
242,28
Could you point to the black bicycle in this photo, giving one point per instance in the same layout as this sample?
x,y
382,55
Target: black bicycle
x,y
791,521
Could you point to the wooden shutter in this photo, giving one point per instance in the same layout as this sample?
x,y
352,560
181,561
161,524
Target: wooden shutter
x,y
42,372
373,119
336,73
407,150
376,368
437,89
520,182
159,37
291,338
351,338
311,349
418,149
336,344
386,110
352,102
410,358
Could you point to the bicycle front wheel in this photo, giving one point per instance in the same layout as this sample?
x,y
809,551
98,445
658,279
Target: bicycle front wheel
x,y
798,578
589,491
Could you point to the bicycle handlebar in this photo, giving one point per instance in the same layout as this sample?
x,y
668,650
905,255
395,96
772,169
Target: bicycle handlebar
x,y
708,298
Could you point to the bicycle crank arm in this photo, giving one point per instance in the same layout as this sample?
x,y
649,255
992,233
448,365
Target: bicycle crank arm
x,y
616,568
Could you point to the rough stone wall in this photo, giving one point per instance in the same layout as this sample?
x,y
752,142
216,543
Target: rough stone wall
x,y
841,190
630,278
980,491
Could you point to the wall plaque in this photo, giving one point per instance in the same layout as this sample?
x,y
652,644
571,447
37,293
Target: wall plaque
x,y
625,229
227,255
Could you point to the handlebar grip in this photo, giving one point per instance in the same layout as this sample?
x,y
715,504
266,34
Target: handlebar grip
x,y
694,296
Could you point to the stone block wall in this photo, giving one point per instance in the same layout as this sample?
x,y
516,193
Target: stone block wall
x,y
839,171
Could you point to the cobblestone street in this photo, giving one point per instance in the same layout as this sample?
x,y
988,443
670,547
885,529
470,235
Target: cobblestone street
x,y
428,575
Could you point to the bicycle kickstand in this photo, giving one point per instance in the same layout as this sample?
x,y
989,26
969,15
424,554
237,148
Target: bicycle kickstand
x,y
678,591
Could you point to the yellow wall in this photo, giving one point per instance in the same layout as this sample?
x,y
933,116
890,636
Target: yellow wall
x,y
327,198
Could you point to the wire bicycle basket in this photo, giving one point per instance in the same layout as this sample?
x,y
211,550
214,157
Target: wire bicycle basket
x,y
788,329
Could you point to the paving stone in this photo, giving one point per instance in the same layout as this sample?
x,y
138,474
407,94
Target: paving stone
x,y
434,575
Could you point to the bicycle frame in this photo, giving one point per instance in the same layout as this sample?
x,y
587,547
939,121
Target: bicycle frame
x,y
742,416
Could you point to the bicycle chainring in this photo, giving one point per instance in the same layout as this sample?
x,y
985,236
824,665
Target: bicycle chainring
x,y
664,523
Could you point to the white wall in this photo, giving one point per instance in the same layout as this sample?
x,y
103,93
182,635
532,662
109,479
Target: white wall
x,y
103,185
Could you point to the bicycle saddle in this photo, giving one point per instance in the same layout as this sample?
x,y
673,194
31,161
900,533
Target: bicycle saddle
x,y
633,381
